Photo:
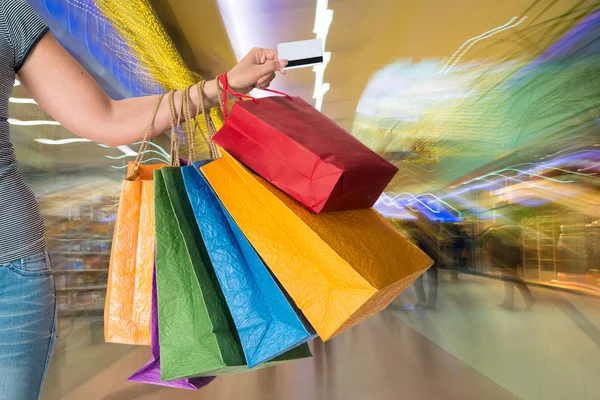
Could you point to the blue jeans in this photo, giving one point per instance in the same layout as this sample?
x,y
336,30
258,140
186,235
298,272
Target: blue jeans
x,y
27,326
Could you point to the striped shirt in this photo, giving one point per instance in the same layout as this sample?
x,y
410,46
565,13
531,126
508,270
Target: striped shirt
x,y
21,224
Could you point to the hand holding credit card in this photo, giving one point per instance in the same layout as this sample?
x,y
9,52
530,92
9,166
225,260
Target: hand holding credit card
x,y
304,53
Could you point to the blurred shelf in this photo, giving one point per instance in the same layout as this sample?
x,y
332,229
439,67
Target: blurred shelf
x,y
79,238
68,271
77,310
83,253
82,288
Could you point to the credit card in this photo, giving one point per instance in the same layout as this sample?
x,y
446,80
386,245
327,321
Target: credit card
x,y
304,53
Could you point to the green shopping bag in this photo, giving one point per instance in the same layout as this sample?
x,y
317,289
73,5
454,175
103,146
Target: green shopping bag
x,y
197,335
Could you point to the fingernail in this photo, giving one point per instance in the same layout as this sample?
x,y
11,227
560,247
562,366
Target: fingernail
x,y
283,63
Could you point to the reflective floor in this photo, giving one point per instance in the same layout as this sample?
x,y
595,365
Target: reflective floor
x,y
466,349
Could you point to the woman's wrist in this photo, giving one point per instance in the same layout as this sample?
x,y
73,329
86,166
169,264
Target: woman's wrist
x,y
209,94
211,98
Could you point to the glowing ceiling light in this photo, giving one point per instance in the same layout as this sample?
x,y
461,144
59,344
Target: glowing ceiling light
x,y
323,19
127,151
17,100
234,14
471,42
13,121
60,141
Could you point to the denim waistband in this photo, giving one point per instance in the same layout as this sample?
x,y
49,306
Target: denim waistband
x,y
38,256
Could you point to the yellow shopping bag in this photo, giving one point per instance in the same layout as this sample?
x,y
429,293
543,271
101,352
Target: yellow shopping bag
x,y
129,292
339,268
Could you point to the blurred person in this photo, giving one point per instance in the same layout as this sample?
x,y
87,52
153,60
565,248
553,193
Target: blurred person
x,y
463,248
428,245
465,251
70,95
504,250
451,243
456,249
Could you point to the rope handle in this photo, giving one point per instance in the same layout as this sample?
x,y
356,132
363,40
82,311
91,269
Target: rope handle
x,y
208,122
145,143
226,89
190,124
175,122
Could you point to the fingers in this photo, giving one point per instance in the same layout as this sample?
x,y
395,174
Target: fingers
x,y
264,54
265,81
271,66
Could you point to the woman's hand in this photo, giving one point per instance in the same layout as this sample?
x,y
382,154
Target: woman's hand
x,y
256,70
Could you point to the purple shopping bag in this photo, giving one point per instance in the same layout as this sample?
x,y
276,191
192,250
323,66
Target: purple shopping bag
x,y
150,373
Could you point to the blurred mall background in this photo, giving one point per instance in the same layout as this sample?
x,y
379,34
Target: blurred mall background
x,y
491,110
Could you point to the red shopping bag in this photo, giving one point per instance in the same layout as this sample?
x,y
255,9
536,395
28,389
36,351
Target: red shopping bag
x,y
304,153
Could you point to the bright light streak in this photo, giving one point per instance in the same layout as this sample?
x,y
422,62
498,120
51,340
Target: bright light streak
x,y
127,151
323,19
516,180
590,167
60,141
383,199
542,167
13,121
438,200
388,200
474,40
235,16
320,86
17,100
519,173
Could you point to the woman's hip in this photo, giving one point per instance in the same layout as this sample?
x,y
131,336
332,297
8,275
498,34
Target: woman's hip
x,y
27,325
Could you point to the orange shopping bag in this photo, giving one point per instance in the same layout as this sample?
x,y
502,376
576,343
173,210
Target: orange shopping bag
x,y
129,293
339,268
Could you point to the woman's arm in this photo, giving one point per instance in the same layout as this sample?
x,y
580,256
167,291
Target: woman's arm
x,y
71,96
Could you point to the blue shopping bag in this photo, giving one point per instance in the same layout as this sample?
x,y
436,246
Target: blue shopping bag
x,y
267,324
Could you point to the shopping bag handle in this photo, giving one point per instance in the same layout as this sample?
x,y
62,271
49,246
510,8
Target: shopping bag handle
x,y
175,123
192,125
135,172
226,89
208,122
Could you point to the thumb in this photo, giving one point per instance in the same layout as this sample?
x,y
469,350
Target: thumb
x,y
271,66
